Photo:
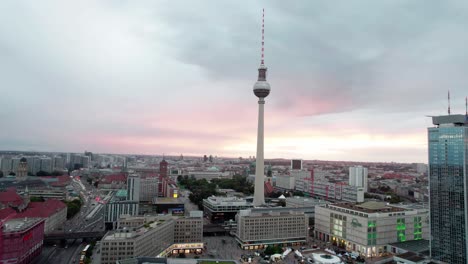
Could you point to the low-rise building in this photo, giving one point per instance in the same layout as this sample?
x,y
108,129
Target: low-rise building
x,y
151,236
222,209
189,229
144,241
286,182
259,227
368,228
330,191
305,204
21,240
114,209
49,193
53,211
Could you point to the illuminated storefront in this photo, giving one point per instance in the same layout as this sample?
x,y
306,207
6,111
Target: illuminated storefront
x,y
368,227
185,248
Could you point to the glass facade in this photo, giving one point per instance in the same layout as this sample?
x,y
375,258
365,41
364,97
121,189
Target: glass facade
x,y
448,167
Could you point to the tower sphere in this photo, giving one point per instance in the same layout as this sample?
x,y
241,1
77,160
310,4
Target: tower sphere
x,y
261,89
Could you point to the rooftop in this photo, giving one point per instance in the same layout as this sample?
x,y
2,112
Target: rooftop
x,y
169,200
17,225
221,200
411,257
369,207
416,246
129,233
10,197
450,119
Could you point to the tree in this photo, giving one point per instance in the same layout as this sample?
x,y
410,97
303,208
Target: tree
x,y
42,173
73,207
56,173
37,199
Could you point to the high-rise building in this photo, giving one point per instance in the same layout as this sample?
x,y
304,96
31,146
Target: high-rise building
x,y
133,187
448,188
296,164
46,164
358,177
15,163
6,165
148,189
59,163
261,89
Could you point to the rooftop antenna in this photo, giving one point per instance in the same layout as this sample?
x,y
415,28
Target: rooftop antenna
x,y
448,102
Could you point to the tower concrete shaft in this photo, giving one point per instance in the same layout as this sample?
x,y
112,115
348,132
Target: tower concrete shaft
x,y
259,192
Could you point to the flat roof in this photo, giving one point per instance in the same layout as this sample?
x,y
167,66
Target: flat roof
x,y
450,119
369,207
20,224
410,256
417,246
168,200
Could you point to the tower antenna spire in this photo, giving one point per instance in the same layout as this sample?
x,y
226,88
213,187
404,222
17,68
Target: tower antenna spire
x,y
263,37
448,97
466,105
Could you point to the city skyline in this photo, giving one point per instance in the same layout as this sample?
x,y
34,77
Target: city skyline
x,y
352,83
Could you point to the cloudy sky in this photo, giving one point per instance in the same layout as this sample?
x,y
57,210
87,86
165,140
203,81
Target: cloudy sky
x,y
352,80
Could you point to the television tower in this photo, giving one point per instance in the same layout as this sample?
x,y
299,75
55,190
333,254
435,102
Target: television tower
x,y
261,89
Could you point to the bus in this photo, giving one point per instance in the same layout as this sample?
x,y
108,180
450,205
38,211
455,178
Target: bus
x,y
85,250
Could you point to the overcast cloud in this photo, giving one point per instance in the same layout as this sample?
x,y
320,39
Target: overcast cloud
x,y
351,80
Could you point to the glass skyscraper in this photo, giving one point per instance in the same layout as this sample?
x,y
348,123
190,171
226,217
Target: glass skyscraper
x,y
448,188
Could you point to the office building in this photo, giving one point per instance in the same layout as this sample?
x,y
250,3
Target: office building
x,y
153,235
358,177
15,163
59,163
133,187
189,229
148,240
21,240
448,169
148,189
259,227
296,164
306,205
222,209
368,228
285,182
6,165
114,209
330,191
46,164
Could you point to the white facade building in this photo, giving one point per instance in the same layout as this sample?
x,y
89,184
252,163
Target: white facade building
x,y
147,240
259,227
286,182
331,191
133,187
358,177
369,227
152,235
